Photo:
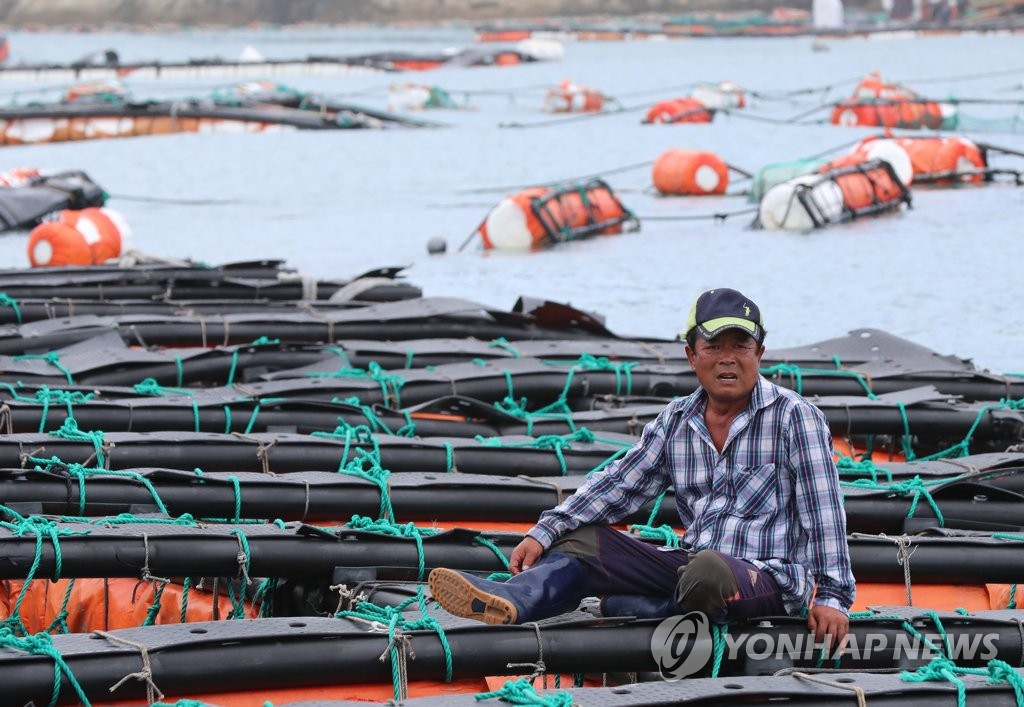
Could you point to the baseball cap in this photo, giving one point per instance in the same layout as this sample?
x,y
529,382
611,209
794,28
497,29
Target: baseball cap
x,y
722,308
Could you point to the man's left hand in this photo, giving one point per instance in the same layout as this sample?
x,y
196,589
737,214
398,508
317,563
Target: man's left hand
x,y
828,624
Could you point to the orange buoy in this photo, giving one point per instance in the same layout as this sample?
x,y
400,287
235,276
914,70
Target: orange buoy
x,y
939,160
681,171
679,110
569,97
18,176
542,216
839,194
105,231
54,243
892,113
873,86
890,105
863,187
890,151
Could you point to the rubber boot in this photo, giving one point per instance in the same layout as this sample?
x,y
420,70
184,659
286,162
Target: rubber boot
x,y
639,606
552,586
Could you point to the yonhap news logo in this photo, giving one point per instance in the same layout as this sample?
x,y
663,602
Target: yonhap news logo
x,y
683,645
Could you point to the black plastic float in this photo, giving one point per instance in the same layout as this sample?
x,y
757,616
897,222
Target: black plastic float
x,y
123,549
275,653
966,504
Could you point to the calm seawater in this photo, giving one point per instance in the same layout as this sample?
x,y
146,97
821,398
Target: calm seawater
x,y
944,274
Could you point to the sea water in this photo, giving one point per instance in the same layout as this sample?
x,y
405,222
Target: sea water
x,y
334,204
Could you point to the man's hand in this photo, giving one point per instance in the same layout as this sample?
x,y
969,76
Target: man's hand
x,y
828,625
525,554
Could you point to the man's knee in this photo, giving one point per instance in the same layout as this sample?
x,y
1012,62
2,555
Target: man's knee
x,y
580,543
705,583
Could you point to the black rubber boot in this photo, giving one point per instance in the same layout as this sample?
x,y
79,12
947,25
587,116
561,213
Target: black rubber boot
x,y
552,586
639,606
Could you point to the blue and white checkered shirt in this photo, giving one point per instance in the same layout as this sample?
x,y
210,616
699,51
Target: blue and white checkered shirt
x,y
770,497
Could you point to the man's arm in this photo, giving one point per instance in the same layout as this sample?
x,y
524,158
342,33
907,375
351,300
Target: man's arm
x,y
820,512
610,495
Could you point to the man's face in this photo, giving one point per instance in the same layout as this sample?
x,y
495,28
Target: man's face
x,y
727,367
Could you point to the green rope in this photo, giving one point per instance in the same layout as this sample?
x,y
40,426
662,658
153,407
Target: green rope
x,y
521,692
69,430
945,650
942,669
44,396
656,508
588,362
449,457
558,410
479,539
245,561
915,487
181,370
80,472
238,498
150,386
154,609
41,644
265,596
8,301
665,533
553,442
846,465
365,465
390,383
52,358
261,341
185,520
60,621
1012,603
393,618
376,423
41,528
340,353
963,447
796,373
409,530
186,587
502,343
511,392
718,633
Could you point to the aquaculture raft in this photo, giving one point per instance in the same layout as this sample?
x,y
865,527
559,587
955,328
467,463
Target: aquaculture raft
x,y
242,462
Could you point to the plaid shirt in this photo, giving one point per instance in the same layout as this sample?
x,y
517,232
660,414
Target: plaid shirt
x,y
770,497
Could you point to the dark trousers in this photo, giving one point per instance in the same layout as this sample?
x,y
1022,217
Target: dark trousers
x,y
723,587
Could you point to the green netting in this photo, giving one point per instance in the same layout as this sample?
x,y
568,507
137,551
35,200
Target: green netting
x,y
777,173
974,124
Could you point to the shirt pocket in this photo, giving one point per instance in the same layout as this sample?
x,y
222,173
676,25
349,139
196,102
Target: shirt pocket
x,y
754,491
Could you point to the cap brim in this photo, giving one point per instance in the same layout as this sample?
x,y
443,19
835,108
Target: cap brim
x,y
712,328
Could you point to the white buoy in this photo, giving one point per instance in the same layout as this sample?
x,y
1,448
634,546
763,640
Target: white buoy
x,y
250,55
890,151
781,208
507,228
542,49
